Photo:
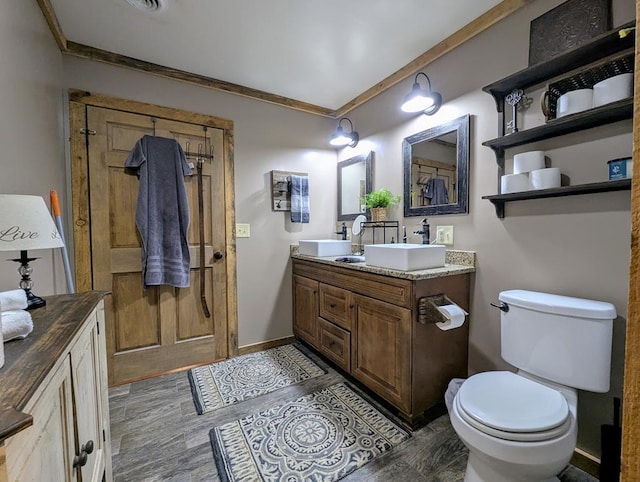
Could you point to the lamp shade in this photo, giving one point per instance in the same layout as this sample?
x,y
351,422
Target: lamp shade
x,y
26,224
419,99
340,138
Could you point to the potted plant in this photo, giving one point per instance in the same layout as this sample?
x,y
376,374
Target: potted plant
x,y
378,201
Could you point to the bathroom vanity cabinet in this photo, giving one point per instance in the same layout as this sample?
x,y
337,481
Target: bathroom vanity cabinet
x,y
604,56
54,414
367,323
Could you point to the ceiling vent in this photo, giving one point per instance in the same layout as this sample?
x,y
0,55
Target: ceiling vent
x,y
149,5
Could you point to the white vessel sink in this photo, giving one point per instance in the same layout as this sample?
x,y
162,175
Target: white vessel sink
x,y
405,257
324,247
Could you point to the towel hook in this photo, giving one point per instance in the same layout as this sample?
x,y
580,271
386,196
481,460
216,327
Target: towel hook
x,y
153,121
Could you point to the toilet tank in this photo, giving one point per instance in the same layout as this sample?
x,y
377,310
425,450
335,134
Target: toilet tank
x,y
559,338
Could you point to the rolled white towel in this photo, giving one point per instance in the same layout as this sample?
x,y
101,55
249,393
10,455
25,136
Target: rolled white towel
x,y
13,300
16,324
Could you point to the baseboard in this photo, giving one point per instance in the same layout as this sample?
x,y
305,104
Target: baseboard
x,y
587,462
265,345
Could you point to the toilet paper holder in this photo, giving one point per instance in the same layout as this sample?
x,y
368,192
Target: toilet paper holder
x,y
428,308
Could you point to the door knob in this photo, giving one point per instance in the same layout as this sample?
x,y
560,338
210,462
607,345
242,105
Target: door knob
x,y
80,460
218,255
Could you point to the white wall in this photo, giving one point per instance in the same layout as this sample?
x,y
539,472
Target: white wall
x,y
576,246
31,128
267,137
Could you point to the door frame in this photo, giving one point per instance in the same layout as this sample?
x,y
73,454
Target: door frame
x,y
78,102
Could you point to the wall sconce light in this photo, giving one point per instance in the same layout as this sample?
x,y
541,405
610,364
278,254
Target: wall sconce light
x,y
420,99
340,138
26,224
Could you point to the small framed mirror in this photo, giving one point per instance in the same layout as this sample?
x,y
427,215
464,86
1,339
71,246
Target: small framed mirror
x,y
354,181
436,170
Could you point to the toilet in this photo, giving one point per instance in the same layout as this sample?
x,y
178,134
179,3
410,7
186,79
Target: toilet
x,y
522,426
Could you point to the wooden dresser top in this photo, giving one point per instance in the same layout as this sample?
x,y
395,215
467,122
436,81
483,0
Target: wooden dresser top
x,y
28,361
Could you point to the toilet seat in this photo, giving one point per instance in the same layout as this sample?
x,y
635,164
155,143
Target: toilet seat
x,y
511,407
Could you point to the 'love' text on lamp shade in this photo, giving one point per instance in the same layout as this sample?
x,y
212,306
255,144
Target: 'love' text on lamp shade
x,y
26,224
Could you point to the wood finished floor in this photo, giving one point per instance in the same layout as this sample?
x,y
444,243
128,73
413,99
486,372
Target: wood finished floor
x,y
157,435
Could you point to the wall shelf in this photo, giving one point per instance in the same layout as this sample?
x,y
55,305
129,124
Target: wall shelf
x,y
604,56
607,186
606,114
601,46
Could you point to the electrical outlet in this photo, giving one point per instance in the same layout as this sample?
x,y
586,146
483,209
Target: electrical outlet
x,y
243,230
444,235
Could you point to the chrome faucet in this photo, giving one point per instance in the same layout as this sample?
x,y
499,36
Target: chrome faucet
x,y
404,234
343,232
424,231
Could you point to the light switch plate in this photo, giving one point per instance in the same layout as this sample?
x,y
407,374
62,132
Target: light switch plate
x,y
243,230
444,235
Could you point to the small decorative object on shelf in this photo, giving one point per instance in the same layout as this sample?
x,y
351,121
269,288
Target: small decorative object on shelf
x,y
513,99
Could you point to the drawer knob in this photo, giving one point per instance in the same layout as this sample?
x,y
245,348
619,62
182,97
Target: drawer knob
x,y
332,305
80,460
88,447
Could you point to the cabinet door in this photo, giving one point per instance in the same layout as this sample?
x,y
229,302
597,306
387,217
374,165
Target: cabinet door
x,y
381,350
305,309
44,451
85,370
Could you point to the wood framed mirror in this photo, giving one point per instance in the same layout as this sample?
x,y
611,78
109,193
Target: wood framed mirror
x,y
354,181
436,170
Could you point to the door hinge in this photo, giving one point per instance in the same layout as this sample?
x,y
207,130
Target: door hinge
x,y
88,132
98,326
104,436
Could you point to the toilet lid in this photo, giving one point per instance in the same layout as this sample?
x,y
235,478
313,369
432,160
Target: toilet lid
x,y
511,403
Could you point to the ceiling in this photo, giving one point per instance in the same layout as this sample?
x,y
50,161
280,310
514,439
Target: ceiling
x,y
321,52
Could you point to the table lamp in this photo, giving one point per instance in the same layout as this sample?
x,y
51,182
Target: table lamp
x,y
26,224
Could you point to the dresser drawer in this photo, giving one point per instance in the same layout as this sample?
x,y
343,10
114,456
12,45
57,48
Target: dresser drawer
x,y
335,343
336,305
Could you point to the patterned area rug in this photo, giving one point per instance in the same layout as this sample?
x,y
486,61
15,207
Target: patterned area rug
x,y
320,437
248,376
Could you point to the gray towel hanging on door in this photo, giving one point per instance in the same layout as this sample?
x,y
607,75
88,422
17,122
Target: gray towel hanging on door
x,y
162,211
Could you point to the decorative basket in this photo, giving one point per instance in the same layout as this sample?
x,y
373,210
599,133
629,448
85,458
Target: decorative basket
x,y
587,79
378,214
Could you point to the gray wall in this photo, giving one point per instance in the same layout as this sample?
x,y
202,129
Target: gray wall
x,y
267,137
31,127
576,246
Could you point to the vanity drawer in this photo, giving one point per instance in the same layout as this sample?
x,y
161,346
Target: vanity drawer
x,y
336,305
335,343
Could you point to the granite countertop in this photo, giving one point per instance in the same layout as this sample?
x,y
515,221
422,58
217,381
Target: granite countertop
x,y
456,262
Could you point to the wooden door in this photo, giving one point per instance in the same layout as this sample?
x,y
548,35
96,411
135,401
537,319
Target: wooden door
x,y
305,308
161,328
381,353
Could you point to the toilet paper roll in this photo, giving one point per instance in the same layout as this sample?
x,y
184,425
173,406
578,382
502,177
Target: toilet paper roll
x,y
454,315
545,178
528,161
514,183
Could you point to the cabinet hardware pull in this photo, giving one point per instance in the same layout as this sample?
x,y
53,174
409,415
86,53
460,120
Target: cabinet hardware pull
x,y
218,255
88,447
80,460
332,305
351,305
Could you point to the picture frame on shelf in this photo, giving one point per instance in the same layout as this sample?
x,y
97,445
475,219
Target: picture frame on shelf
x,y
567,26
